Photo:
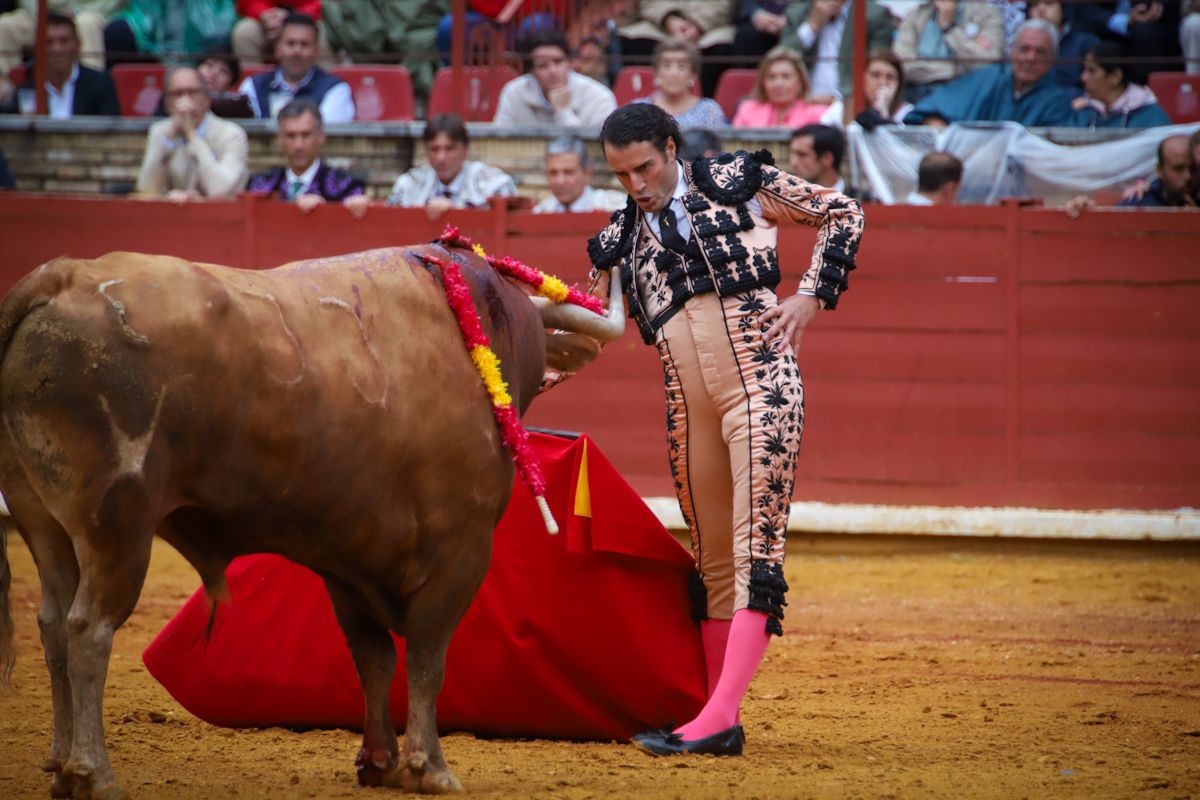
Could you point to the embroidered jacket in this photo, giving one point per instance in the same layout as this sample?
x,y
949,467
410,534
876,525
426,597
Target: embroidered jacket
x,y
733,249
329,182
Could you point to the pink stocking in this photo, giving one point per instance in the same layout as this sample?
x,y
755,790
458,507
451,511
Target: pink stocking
x,y
715,634
748,640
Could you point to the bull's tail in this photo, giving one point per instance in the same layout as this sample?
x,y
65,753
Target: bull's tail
x,y
8,655
34,290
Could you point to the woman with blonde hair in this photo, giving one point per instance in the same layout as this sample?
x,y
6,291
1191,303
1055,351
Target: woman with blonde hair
x,y
676,70
781,96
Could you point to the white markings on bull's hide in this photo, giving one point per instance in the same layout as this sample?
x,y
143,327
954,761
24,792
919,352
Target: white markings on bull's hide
x,y
119,307
270,298
381,401
131,450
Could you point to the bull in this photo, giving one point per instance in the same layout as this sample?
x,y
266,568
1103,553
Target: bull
x,y
326,411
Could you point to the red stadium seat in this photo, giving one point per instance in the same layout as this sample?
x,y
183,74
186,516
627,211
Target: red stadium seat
x,y
381,91
139,88
1179,95
635,82
482,92
16,75
732,87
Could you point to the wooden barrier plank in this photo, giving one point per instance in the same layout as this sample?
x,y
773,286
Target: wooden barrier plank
x,y
906,407
1166,311
1145,361
930,305
900,355
1108,408
1115,457
891,456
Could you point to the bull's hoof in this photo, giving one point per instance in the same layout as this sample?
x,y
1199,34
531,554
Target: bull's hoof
x,y
375,767
62,785
417,775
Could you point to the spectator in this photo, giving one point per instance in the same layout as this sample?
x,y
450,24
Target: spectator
x,y
497,15
823,31
18,31
883,84
6,178
942,39
591,60
307,181
569,174
699,143
1072,43
816,153
676,70
781,96
1173,185
449,180
404,27
299,77
1110,100
1013,13
938,177
759,25
1022,91
148,30
705,23
552,93
72,90
1189,37
193,153
255,34
220,73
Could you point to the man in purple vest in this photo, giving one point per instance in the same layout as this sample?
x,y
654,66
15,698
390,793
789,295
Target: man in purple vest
x,y
298,77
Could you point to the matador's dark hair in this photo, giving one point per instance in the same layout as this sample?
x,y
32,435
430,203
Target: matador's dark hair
x,y
640,122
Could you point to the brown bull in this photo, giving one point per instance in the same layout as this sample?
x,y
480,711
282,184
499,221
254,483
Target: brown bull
x,y
325,410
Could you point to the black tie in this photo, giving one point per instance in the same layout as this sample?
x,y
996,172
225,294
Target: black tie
x,y
670,231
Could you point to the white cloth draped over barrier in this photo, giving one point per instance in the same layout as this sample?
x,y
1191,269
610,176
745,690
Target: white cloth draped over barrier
x,y
1002,159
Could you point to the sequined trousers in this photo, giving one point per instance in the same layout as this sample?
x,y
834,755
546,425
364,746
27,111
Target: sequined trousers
x,y
735,414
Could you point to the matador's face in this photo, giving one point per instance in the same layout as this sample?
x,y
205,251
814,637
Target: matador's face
x,y
647,174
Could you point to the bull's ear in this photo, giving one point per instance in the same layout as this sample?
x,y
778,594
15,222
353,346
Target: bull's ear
x,y
570,352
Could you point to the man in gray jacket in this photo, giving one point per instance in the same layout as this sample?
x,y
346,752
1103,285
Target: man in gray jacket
x,y
551,93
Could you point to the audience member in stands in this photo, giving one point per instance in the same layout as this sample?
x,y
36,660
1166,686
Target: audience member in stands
x,y
816,153
938,177
708,24
883,84
407,28
1110,100
699,143
299,77
1023,90
18,31
781,96
1174,183
449,180
940,40
1013,12
497,15
569,174
308,181
72,90
1189,37
192,153
1072,42
759,26
551,93
591,60
6,178
823,31
676,70
220,73
151,30
256,33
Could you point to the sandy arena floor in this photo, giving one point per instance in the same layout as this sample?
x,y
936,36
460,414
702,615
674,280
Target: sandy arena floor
x,y
911,669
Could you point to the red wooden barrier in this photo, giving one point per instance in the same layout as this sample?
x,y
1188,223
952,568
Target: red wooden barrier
x,y
983,356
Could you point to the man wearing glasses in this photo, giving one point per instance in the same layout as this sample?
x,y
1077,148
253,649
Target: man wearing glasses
x,y
193,153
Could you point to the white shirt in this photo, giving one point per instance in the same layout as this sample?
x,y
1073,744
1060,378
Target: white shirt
x,y
590,200
337,106
917,199
62,105
826,78
305,179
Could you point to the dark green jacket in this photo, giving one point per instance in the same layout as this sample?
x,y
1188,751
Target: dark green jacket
x,y
880,32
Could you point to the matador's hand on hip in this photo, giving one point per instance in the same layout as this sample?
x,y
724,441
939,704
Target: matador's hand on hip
x,y
789,319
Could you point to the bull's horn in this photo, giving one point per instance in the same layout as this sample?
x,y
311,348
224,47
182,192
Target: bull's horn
x,y
576,319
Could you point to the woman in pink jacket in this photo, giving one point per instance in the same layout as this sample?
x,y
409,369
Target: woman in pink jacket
x,y
781,96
